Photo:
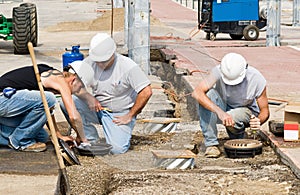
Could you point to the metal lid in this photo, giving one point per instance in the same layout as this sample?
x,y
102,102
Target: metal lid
x,y
242,144
96,149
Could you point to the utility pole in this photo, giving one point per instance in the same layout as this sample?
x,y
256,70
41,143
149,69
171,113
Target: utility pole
x,y
296,13
118,3
126,23
273,23
138,41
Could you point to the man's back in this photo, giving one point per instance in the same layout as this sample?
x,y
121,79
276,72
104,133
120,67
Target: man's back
x,y
22,78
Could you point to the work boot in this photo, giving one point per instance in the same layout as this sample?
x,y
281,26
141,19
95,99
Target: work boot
x,y
37,147
212,152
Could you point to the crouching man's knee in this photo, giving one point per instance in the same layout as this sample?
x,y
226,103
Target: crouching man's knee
x,y
117,149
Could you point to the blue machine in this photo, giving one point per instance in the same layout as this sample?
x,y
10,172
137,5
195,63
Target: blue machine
x,y
238,18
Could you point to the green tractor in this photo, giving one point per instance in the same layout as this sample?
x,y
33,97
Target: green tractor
x,y
21,28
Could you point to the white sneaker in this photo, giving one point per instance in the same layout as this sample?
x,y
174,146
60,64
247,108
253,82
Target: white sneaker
x,y
84,145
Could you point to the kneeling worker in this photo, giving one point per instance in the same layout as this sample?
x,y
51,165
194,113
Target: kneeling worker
x,y
235,94
119,92
22,114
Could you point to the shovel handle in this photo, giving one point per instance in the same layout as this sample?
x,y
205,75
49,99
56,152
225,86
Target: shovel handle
x,y
49,118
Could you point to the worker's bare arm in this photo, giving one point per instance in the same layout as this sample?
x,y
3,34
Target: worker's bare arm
x,y
263,105
200,95
55,80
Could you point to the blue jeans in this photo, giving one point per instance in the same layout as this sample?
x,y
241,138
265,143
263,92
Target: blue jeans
x,y
209,120
117,135
22,118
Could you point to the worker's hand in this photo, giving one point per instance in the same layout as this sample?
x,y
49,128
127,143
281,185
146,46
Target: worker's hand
x,y
98,106
94,105
122,120
254,123
63,137
68,139
226,119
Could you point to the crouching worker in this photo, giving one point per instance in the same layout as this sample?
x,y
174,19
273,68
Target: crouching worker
x,y
22,114
234,94
119,92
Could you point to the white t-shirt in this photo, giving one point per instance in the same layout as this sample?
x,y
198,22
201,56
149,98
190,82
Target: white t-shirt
x,y
116,88
243,94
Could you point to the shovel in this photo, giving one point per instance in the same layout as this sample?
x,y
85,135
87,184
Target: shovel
x,y
63,186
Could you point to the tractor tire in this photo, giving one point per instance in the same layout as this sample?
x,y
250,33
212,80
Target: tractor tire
x,y
251,33
236,37
21,29
34,22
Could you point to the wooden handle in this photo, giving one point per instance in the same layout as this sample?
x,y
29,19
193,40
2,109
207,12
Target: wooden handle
x,y
47,110
159,120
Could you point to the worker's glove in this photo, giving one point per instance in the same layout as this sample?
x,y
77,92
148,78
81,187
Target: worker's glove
x,y
84,145
254,123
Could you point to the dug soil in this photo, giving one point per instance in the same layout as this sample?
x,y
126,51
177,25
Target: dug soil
x,y
135,172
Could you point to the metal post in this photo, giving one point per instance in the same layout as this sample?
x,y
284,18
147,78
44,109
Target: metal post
x,y
296,13
126,4
139,33
118,3
273,23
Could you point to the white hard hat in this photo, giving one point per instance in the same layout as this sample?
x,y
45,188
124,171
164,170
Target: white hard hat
x,y
84,71
102,47
233,68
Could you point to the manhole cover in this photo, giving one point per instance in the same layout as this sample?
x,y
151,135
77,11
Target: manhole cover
x,y
96,149
242,148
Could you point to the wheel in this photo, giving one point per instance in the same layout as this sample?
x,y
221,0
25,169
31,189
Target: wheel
x,y
34,22
21,29
251,33
207,37
236,37
213,36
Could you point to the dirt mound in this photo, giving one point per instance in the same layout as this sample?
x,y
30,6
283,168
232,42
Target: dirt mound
x,y
101,23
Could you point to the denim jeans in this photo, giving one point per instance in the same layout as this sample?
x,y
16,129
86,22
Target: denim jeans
x,y
117,135
209,120
22,118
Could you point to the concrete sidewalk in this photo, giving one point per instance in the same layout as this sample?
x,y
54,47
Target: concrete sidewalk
x,y
196,56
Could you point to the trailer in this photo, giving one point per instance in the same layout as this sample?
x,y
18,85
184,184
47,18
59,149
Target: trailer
x,y
21,28
238,18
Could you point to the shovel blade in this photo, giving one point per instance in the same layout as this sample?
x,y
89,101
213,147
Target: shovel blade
x,y
62,186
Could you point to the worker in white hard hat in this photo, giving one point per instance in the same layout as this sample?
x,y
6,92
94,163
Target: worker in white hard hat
x,y
84,72
234,94
22,114
119,91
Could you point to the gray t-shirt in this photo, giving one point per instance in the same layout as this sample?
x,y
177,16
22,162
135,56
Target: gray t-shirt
x,y
243,94
116,88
